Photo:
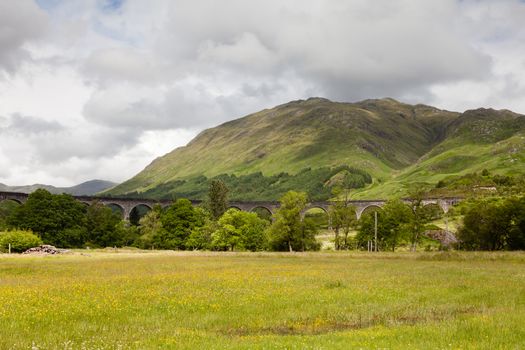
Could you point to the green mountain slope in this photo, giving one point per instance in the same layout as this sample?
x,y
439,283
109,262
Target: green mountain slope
x,y
477,140
305,143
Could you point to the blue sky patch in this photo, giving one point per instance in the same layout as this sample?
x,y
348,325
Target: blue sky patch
x,y
105,5
48,4
112,5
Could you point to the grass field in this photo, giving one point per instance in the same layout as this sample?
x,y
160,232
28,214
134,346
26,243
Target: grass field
x,y
151,300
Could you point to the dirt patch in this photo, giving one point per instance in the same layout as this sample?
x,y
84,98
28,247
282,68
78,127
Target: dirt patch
x,y
316,327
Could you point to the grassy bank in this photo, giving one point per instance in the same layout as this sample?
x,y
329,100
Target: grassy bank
x,y
146,300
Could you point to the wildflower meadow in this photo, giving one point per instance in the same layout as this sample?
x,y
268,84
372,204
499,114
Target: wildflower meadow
x,y
163,300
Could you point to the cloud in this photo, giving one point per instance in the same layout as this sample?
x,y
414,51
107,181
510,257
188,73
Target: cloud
x,y
246,50
5,171
344,51
356,44
99,88
86,144
21,22
51,143
28,125
122,64
182,105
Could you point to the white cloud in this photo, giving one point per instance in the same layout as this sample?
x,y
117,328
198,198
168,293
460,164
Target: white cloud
x,y
122,64
28,125
246,50
21,22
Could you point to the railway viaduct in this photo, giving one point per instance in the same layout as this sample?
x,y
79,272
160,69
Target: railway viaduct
x,y
126,205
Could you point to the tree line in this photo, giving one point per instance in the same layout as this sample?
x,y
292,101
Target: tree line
x,y
486,225
318,183
60,220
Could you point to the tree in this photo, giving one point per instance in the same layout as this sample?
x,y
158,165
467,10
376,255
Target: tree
x,y
149,226
7,207
342,213
343,217
137,213
178,221
494,225
288,231
104,226
422,215
306,239
516,239
366,230
240,230
129,233
201,237
58,219
217,198
393,226
398,220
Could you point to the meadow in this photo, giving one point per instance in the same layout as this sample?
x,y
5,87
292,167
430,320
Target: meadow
x,y
335,300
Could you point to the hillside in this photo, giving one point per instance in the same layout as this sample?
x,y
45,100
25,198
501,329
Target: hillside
x,y
306,144
84,189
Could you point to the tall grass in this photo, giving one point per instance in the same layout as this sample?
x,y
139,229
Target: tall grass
x,y
151,300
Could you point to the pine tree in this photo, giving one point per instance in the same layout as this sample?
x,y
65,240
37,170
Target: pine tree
x,y
217,198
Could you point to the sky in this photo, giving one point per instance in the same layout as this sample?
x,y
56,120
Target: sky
x,y
97,89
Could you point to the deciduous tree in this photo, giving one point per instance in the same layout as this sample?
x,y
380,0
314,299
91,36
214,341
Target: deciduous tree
x,y
494,225
149,226
393,227
343,218
288,231
178,221
240,230
104,227
52,217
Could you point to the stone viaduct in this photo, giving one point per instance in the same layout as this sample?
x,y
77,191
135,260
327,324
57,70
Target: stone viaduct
x,y
126,205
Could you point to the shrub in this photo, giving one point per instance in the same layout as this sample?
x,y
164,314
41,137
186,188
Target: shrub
x,y
20,240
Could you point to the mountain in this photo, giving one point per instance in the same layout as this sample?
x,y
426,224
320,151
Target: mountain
x,y
84,189
382,145
89,188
